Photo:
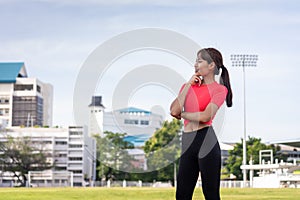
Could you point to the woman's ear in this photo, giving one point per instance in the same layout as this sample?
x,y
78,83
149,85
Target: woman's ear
x,y
212,65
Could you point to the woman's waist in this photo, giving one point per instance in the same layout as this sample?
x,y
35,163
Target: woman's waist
x,y
195,126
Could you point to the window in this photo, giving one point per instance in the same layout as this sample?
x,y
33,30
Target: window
x,y
75,158
75,146
76,184
144,122
38,88
4,100
60,143
4,112
23,87
131,121
75,133
77,171
27,111
60,168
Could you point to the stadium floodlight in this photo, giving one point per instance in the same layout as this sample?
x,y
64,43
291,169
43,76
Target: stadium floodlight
x,y
244,60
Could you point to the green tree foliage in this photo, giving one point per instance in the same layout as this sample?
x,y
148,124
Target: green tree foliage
x,y
162,149
112,156
20,155
253,146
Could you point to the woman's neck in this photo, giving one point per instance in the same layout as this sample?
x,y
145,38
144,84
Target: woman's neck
x,y
208,79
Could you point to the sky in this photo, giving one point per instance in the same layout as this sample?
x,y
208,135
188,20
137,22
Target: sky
x,y
55,38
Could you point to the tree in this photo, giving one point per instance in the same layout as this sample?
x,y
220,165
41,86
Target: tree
x,y
112,156
253,146
162,149
19,156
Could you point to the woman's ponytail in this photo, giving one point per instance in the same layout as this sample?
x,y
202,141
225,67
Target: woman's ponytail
x,y
224,80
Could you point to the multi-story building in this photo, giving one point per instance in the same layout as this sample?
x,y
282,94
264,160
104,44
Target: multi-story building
x,y
24,101
71,149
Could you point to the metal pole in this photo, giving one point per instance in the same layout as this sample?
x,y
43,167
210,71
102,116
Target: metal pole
x,y
175,178
244,140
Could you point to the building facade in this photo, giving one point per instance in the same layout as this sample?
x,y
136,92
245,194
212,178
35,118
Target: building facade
x,y
138,124
24,101
71,150
96,110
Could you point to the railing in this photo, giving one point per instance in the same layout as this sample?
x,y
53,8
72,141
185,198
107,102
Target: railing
x,y
223,184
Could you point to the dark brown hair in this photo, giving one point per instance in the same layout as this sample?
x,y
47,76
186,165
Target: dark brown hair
x,y
213,55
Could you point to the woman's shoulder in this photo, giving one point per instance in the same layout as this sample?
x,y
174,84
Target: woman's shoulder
x,y
219,88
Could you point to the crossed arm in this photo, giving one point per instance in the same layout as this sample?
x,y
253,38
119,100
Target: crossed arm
x,y
176,108
204,116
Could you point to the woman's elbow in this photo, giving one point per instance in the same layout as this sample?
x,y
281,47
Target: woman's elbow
x,y
174,112
175,109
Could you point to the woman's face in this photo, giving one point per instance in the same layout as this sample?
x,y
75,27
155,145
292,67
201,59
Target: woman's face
x,y
202,67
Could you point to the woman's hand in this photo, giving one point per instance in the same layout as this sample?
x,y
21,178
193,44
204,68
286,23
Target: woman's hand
x,y
195,79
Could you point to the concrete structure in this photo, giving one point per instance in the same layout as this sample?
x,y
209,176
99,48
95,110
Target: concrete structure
x,y
272,175
72,150
24,101
139,124
290,148
96,110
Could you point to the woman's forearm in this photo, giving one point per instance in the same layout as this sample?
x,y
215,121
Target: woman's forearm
x,y
177,105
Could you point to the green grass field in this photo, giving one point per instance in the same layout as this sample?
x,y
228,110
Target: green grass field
x,y
138,193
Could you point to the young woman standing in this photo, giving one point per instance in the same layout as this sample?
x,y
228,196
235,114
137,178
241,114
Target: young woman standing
x,y
197,103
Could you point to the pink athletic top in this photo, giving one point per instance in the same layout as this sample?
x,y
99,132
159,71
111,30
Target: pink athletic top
x,y
198,97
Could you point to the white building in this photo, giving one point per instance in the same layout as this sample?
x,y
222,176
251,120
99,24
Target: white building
x,y
139,124
72,150
96,110
24,101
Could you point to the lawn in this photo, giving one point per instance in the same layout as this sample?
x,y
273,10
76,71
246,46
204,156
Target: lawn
x,y
138,193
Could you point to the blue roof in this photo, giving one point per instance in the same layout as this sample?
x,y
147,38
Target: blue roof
x,y
10,71
134,110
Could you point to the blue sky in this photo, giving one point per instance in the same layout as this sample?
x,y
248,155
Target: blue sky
x,y
55,37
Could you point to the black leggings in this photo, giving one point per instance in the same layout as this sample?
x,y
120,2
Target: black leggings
x,y
200,152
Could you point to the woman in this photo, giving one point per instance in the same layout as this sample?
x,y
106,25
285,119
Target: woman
x,y
197,103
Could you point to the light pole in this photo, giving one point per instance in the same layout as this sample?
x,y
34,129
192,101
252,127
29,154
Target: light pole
x,y
244,60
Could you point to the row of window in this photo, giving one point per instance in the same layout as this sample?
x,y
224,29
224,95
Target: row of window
x,y
75,146
29,87
75,158
60,142
4,112
135,113
75,133
95,111
136,122
4,100
23,87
